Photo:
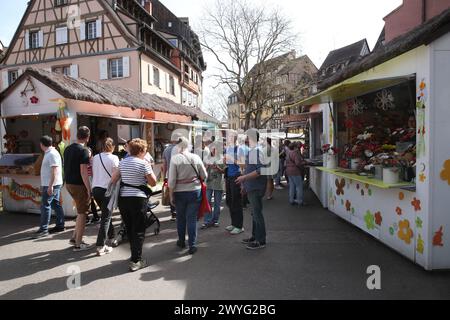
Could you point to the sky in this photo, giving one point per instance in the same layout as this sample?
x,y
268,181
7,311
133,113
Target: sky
x,y
323,25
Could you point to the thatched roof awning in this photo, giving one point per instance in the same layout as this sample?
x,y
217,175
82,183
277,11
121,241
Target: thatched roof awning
x,y
422,35
103,93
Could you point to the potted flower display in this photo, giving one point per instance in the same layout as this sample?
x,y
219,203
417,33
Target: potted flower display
x,y
330,154
391,169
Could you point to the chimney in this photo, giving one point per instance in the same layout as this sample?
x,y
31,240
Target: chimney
x,y
184,20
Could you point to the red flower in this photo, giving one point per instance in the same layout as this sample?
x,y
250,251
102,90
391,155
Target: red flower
x,y
416,204
378,218
399,211
34,100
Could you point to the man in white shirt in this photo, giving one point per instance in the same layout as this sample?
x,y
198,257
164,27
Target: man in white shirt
x,y
51,182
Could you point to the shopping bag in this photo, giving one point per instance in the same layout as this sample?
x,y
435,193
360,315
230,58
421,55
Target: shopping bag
x,y
205,207
165,194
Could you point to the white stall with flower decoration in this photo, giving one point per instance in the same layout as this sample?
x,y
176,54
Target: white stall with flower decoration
x,y
389,117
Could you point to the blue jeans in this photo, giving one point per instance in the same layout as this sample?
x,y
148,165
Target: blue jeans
x,y
213,217
280,173
187,205
49,203
259,225
296,189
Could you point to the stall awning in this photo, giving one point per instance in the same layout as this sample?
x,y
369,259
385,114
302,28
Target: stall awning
x,y
345,91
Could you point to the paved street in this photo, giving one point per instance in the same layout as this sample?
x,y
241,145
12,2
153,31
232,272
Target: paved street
x,y
311,254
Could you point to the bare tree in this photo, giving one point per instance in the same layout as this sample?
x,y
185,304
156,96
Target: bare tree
x,y
216,103
244,38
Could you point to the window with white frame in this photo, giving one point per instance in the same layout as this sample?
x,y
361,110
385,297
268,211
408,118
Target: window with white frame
x,y
172,85
184,96
116,68
34,39
91,30
12,76
65,70
60,3
156,77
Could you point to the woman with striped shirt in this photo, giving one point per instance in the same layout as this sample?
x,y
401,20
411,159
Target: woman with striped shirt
x,y
136,174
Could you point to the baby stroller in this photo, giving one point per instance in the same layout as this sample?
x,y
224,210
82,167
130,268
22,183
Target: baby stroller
x,y
151,220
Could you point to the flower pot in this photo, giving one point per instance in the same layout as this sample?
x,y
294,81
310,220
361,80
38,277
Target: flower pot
x,y
354,163
378,172
331,162
391,175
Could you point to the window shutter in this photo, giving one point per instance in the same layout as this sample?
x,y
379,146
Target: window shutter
x,y
82,31
103,69
20,72
74,71
167,83
41,38
27,40
99,28
61,35
126,67
5,80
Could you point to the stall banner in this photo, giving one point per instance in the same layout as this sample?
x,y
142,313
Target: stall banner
x,y
23,192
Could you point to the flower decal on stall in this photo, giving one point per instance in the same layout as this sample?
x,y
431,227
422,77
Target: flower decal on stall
x,y
378,218
405,232
419,223
445,173
370,220
356,107
340,186
385,100
437,238
416,204
420,118
420,245
401,196
399,211
348,205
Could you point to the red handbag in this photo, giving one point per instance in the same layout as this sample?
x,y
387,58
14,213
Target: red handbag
x,y
205,206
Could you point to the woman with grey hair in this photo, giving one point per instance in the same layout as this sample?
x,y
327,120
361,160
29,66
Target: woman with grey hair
x,y
186,170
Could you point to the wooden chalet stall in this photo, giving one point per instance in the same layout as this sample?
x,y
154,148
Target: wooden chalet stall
x,y
44,103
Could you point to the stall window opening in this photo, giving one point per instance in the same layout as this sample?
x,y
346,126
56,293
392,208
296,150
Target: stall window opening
x,y
379,130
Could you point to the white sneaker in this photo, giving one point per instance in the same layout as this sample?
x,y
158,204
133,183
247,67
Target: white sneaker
x,y
229,228
101,251
236,231
83,247
279,188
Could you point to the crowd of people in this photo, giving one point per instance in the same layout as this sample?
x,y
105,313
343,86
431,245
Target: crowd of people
x,y
239,170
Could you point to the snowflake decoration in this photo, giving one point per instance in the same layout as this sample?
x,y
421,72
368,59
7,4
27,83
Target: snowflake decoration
x,y
385,100
356,107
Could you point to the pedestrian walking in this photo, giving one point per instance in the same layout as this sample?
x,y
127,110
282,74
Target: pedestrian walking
x,y
136,174
186,170
215,184
105,164
233,191
51,183
268,152
93,205
76,162
168,153
254,183
295,170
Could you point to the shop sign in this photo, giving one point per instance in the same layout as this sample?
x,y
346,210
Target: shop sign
x,y
23,192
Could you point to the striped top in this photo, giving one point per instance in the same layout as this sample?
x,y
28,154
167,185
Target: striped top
x,y
134,171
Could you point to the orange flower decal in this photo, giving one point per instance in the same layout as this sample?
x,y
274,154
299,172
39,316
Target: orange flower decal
x,y
399,211
422,177
416,204
445,173
437,239
378,218
401,196
348,205
404,231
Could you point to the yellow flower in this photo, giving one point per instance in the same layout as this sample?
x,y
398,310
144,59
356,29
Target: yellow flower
x,y
404,231
445,173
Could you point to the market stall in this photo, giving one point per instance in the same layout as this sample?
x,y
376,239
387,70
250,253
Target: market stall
x,y
386,156
43,103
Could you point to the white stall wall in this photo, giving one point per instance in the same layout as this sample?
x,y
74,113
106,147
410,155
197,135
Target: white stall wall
x,y
440,153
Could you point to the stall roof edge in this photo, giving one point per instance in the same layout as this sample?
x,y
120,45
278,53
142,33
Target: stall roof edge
x,y
101,93
422,35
